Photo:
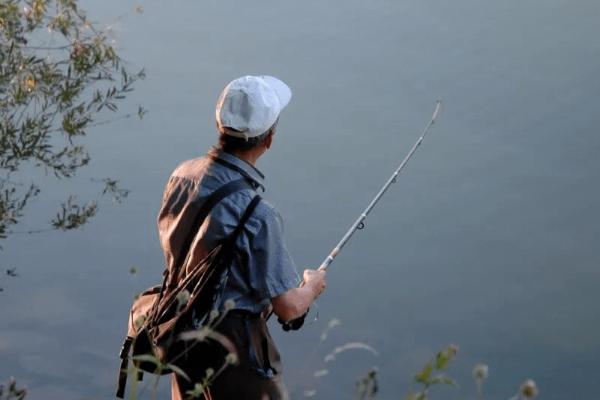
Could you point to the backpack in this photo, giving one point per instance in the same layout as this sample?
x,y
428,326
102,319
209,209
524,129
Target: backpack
x,y
161,313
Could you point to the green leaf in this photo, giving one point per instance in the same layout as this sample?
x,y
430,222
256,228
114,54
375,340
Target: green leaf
x,y
197,392
449,382
441,360
147,358
52,93
443,380
423,376
178,371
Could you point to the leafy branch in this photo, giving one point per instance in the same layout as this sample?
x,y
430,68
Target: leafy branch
x,y
368,386
426,378
59,74
72,215
11,392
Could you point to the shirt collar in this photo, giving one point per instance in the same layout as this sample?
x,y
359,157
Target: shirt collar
x,y
248,169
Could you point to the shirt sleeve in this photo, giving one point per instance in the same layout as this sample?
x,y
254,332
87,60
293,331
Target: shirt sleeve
x,y
272,270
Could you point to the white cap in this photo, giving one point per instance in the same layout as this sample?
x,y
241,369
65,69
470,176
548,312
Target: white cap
x,y
251,105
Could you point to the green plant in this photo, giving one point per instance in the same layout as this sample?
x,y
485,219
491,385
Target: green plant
x,y
368,386
480,373
528,390
58,73
432,373
11,392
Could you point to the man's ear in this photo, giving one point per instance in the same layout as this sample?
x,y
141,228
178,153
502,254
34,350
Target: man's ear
x,y
269,139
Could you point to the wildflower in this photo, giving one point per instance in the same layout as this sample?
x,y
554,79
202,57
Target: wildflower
x,y
197,392
213,315
480,372
231,359
183,297
453,349
529,389
39,8
229,304
78,50
29,83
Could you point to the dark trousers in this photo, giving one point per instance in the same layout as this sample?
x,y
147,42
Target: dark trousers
x,y
256,376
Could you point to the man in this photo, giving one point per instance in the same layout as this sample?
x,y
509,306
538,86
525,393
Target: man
x,y
263,275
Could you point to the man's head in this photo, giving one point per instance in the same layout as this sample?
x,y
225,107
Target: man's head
x,y
248,110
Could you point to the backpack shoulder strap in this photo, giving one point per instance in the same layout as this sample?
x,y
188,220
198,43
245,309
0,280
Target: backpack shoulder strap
x,y
238,230
170,277
212,200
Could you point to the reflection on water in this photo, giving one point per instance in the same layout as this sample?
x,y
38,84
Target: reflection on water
x,y
487,240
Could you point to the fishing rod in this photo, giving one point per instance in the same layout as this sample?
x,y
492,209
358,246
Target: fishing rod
x,y
360,222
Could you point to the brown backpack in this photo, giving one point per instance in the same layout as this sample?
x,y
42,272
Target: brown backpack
x,y
161,313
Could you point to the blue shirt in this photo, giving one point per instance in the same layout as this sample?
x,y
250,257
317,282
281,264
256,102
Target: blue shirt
x,y
263,268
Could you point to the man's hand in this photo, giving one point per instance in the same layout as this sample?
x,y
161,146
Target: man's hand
x,y
295,302
315,279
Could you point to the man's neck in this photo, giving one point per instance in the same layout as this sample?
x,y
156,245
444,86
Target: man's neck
x,y
249,156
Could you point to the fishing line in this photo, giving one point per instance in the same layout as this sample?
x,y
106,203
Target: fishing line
x,y
360,222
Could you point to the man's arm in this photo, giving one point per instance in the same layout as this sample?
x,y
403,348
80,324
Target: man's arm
x,y
273,273
295,302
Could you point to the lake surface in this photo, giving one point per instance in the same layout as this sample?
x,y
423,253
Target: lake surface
x,y
489,239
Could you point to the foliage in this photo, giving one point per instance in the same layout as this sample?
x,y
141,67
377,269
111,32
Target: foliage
x,y
368,386
426,378
58,73
73,215
11,392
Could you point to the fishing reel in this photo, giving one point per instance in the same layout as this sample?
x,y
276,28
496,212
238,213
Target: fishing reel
x,y
294,324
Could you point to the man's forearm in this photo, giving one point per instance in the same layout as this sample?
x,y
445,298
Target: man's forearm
x,y
295,302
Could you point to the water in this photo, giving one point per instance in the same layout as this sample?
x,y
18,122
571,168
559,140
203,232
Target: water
x,y
489,239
